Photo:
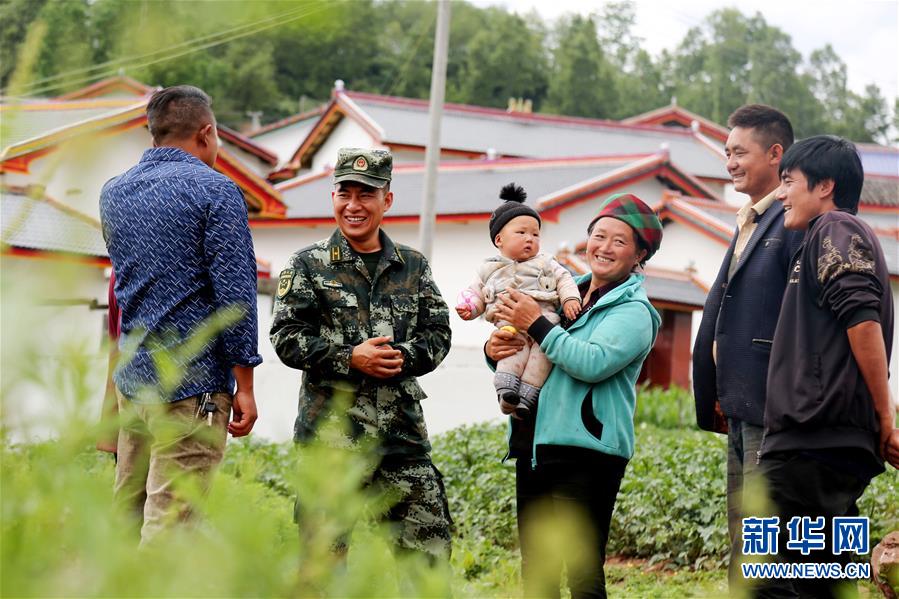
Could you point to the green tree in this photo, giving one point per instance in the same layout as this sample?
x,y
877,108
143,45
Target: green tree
x,y
66,48
504,60
16,17
583,83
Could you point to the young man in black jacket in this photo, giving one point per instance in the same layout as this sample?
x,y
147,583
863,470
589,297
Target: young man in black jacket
x,y
828,417
733,344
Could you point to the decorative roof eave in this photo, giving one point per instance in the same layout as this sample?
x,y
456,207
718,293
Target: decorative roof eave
x,y
131,116
120,82
680,211
247,144
579,192
681,116
88,260
259,192
329,119
656,164
286,122
341,106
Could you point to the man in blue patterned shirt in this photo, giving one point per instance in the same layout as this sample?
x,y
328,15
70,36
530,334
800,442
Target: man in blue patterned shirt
x,y
180,245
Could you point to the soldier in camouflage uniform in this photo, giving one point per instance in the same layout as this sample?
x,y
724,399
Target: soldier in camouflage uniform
x,y
358,313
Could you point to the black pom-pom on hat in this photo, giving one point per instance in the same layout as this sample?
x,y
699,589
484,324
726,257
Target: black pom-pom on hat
x,y
513,193
514,196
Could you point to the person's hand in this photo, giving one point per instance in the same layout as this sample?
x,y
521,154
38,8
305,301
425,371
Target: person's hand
x,y
464,311
518,309
887,429
244,413
891,449
375,358
572,308
503,344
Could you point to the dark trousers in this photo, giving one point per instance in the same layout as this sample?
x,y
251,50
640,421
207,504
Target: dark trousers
x,y
743,441
588,489
799,485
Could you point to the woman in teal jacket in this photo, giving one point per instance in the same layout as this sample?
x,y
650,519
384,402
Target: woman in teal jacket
x,y
572,455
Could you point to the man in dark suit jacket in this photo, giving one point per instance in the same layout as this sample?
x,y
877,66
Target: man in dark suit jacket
x,y
730,356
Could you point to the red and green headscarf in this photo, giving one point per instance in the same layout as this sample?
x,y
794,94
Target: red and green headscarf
x,y
630,209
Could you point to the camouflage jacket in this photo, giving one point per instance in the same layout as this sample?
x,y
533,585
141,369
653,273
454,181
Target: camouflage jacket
x,y
327,304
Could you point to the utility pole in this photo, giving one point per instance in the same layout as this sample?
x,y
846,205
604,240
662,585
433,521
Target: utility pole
x,y
435,115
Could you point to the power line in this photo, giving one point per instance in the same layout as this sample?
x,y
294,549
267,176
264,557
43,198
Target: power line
x,y
192,46
402,70
187,43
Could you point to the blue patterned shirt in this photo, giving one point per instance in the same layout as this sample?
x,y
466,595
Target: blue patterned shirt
x,y
180,245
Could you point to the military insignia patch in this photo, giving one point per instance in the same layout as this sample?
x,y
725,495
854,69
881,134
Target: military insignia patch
x,y
285,282
335,253
361,164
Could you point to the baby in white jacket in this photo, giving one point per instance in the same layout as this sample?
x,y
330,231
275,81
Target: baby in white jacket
x,y
515,231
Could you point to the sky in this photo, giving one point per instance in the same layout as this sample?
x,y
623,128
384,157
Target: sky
x,y
864,33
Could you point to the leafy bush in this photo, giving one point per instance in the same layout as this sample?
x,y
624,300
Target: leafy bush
x,y
666,408
671,505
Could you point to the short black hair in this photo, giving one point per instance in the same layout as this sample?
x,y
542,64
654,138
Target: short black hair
x,y
771,126
824,157
176,112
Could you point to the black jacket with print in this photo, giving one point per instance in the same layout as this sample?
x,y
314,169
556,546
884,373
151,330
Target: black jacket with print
x,y
817,397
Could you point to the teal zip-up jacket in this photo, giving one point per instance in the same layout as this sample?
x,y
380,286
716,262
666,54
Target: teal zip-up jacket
x,y
590,396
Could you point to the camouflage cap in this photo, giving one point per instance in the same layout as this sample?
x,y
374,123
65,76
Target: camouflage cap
x,y
371,167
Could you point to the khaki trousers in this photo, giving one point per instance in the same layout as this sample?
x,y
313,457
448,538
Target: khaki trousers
x,y
161,449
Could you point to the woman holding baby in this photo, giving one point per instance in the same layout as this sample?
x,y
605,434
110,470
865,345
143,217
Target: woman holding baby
x,y
572,451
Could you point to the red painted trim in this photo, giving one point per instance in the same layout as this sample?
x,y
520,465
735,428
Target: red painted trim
x,y
682,117
267,198
394,147
296,160
689,223
877,208
22,163
247,144
632,172
19,252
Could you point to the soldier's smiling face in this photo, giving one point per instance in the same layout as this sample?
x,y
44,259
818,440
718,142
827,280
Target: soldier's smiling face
x,y
359,209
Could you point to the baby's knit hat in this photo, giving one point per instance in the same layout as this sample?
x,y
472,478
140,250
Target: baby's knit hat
x,y
514,196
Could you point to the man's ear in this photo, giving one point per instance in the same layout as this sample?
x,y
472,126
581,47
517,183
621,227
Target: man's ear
x,y
776,153
203,134
388,200
826,188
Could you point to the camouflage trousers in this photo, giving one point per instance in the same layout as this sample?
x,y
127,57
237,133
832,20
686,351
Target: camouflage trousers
x,y
162,447
419,518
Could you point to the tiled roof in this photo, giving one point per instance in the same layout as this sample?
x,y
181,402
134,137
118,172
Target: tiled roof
x,y
30,221
476,129
880,191
468,187
33,118
680,117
